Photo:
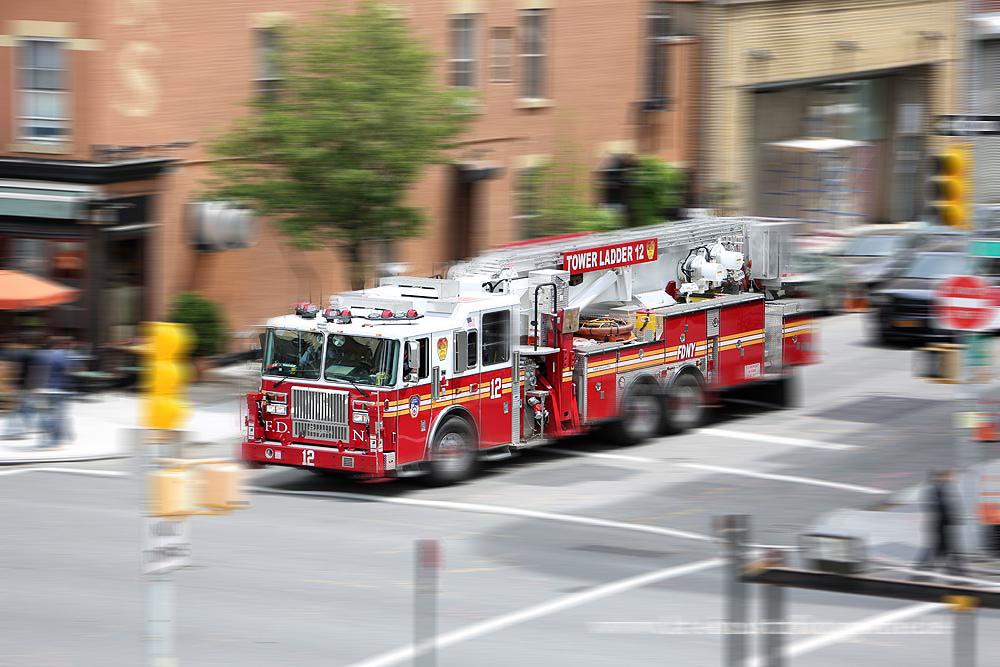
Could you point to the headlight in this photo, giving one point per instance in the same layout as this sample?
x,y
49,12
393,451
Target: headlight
x,y
273,409
360,417
276,396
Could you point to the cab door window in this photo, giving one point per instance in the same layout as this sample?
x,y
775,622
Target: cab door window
x,y
496,338
416,360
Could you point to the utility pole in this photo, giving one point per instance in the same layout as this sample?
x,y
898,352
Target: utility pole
x,y
174,488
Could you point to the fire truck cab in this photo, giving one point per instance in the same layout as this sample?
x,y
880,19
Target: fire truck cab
x,y
629,331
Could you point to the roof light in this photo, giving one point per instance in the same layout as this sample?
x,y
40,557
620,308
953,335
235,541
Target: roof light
x,y
306,310
386,314
345,313
330,313
412,314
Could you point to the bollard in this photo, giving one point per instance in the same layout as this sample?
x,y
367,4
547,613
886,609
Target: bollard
x,y
428,565
964,639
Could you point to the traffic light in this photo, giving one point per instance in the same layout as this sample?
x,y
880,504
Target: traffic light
x,y
948,189
166,373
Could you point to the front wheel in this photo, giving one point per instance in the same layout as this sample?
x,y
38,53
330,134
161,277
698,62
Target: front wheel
x,y
685,405
642,412
453,454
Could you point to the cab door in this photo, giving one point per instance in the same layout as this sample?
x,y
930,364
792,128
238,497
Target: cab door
x,y
412,407
465,362
495,378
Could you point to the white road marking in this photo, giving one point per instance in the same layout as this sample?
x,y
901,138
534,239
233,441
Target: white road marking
x,y
405,654
493,509
69,471
603,455
728,471
776,439
783,478
848,631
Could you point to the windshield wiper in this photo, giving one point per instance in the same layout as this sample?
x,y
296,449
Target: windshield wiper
x,y
344,377
283,378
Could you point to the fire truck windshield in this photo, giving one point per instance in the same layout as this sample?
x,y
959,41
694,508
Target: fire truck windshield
x,y
361,359
291,353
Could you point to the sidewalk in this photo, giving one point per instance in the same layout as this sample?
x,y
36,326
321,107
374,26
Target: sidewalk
x,y
98,424
894,530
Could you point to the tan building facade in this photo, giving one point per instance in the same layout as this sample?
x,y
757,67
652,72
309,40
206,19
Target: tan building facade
x,y
874,72
101,99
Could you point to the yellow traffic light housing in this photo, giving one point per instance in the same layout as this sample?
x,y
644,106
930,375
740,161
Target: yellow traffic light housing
x,y
939,363
170,493
948,188
166,374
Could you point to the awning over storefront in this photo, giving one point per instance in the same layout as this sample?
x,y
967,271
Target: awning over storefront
x,y
55,202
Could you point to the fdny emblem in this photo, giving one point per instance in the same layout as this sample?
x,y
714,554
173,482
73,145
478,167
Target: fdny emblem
x,y
442,348
414,406
651,249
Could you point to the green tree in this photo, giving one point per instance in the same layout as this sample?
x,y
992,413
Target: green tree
x,y
565,192
205,319
654,187
333,156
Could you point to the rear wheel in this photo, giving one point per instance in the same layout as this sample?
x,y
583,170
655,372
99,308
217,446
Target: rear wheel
x,y
642,413
453,454
685,404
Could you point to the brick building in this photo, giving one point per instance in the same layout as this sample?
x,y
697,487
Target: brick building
x,y
865,76
100,98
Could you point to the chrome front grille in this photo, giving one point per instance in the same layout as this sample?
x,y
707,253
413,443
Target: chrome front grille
x,y
320,414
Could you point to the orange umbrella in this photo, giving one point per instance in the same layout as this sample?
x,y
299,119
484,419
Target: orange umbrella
x,y
20,291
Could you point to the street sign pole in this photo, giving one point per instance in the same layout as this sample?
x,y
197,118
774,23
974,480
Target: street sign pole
x,y
428,564
734,530
157,559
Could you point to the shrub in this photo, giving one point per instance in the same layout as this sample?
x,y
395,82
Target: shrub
x,y
206,320
656,187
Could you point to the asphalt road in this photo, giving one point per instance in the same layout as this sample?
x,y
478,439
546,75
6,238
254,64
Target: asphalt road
x,y
582,555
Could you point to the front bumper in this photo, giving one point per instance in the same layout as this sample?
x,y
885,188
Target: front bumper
x,y
305,456
909,326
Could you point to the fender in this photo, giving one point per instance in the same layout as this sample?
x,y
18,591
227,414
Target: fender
x,y
687,369
646,379
450,411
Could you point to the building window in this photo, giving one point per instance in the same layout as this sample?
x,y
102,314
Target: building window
x,y
533,53
268,81
501,55
43,94
527,196
463,50
659,31
496,337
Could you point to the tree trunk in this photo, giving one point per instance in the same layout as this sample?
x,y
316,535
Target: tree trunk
x,y
356,266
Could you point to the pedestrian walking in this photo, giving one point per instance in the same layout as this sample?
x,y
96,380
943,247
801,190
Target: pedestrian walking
x,y
942,515
27,377
56,390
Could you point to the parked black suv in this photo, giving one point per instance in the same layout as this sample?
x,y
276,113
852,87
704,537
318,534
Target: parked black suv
x,y
902,307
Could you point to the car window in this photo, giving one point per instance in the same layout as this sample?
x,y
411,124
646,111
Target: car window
x,y
934,266
874,246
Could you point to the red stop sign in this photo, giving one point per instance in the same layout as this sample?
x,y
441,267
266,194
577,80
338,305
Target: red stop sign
x,y
964,303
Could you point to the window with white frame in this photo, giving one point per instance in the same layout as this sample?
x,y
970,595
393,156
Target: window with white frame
x,y
659,32
501,55
43,91
268,81
534,26
463,50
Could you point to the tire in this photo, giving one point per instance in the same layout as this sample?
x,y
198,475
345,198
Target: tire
x,y
453,454
784,392
684,404
873,330
642,416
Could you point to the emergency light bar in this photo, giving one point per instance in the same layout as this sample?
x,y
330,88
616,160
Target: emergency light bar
x,y
385,315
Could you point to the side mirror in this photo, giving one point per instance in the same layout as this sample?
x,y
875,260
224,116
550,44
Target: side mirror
x,y
411,377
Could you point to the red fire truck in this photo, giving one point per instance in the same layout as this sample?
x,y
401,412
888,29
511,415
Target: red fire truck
x,y
632,331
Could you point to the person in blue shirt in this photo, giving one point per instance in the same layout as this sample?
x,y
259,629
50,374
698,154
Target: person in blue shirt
x,y
56,388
